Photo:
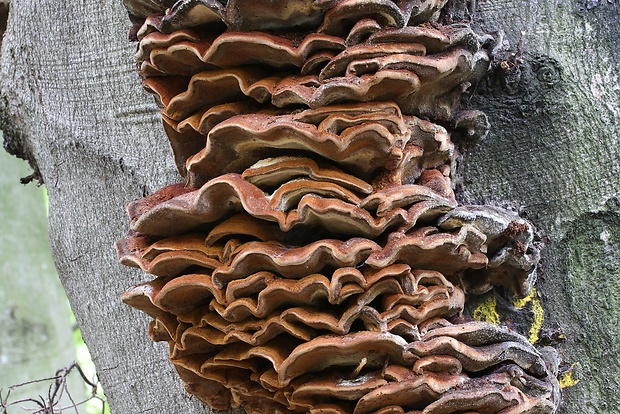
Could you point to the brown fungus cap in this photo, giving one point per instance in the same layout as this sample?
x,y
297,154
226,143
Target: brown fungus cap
x,y
317,261
192,73
335,16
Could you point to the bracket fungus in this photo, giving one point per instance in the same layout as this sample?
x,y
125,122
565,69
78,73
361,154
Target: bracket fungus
x,y
316,259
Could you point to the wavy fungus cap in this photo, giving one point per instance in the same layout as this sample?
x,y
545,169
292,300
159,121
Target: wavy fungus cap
x,y
331,15
316,259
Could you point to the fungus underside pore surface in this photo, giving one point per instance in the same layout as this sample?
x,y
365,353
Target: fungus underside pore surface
x,y
315,258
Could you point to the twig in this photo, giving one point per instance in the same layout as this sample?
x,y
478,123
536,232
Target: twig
x,y
57,390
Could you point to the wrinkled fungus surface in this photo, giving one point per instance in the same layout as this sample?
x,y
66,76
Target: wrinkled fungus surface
x,y
316,259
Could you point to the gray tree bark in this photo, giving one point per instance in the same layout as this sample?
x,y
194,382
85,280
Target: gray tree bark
x,y
554,152
71,104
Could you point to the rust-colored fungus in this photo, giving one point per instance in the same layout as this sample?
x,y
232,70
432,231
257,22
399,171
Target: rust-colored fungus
x,y
316,259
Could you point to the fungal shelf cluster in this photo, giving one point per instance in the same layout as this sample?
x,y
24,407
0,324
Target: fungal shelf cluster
x,y
315,259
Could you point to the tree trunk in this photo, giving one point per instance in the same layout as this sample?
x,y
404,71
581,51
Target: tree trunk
x,y
71,104
553,152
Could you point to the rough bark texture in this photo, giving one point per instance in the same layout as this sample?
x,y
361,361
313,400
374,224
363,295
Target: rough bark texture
x,y
554,153
71,104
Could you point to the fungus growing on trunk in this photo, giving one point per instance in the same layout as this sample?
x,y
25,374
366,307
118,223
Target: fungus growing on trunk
x,y
316,259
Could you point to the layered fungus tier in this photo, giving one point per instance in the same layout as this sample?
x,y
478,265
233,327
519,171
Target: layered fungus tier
x,y
315,259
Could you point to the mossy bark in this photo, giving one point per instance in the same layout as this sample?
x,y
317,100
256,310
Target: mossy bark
x,y
71,104
554,154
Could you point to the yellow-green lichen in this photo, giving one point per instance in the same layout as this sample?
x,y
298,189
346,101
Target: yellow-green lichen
x,y
487,311
537,311
566,379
